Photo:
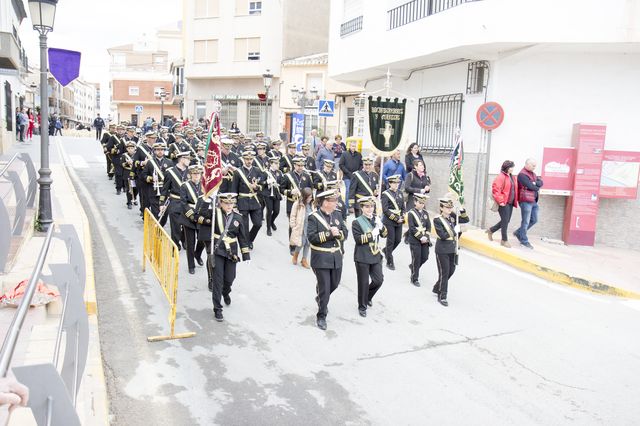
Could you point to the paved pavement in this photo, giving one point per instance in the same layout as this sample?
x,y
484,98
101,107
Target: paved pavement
x,y
510,349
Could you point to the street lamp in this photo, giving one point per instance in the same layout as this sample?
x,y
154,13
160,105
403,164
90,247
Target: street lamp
x,y
43,15
266,78
299,97
162,95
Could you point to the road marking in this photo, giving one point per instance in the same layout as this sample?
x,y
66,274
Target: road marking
x,y
78,162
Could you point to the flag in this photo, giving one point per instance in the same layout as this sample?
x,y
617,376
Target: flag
x,y
64,65
212,176
456,185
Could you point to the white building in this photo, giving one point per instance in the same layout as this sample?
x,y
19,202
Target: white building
x,y
84,101
550,64
228,47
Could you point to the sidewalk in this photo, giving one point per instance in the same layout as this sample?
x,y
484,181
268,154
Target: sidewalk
x,y
597,269
37,340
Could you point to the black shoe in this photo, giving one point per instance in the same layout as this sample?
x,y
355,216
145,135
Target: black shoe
x,y
118,192
218,316
321,323
362,312
443,301
227,299
129,206
110,177
192,271
273,226
434,290
391,266
370,303
269,231
416,283
135,203
199,261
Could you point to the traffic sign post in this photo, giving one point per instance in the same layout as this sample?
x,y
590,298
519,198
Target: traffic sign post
x,y
326,108
490,116
139,109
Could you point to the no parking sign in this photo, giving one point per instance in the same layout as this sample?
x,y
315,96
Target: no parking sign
x,y
490,115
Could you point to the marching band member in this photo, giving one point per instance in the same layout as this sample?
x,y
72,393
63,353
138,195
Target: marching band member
x,y
170,195
321,177
104,141
153,174
418,236
247,182
286,162
190,193
140,160
393,217
271,192
230,162
364,183
130,174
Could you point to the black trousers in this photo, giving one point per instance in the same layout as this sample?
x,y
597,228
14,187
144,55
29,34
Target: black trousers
x,y
393,239
367,289
193,247
224,274
505,217
256,221
446,268
120,177
419,255
174,211
154,206
273,210
143,192
327,280
98,133
207,246
109,165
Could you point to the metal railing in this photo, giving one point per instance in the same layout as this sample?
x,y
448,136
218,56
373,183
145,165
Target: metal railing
x,y
52,394
351,26
418,9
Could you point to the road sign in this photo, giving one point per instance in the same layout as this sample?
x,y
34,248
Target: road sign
x,y
139,109
490,115
326,108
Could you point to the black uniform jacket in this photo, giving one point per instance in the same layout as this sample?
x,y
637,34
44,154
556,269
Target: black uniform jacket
x,y
367,249
320,179
247,197
363,184
203,214
115,145
173,180
159,165
419,226
274,190
446,242
190,193
286,163
105,139
293,180
128,164
392,207
310,163
234,236
326,250
230,160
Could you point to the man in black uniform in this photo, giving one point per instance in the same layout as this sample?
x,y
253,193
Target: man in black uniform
x,y
174,177
309,161
286,161
190,193
154,174
115,147
418,235
321,177
393,217
364,183
367,229
140,159
294,182
248,181
179,145
230,162
262,160
229,233
447,227
275,147
130,186
104,141
271,192
326,232
203,215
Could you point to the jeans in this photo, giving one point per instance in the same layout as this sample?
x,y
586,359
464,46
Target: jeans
x,y
529,218
347,184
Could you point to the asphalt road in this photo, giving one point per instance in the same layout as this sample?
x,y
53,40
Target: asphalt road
x,y
510,348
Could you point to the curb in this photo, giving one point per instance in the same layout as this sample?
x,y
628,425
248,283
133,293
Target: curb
x,y
544,272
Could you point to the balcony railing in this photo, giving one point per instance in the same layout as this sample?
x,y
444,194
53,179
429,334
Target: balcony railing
x,y
418,9
351,26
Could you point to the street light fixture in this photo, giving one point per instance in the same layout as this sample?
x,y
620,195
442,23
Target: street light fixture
x,y
267,79
43,15
162,95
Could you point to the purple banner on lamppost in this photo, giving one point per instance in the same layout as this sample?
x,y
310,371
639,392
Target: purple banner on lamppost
x,y
64,65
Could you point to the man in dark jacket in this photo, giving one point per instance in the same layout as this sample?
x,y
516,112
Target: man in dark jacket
x,y
350,162
529,185
98,124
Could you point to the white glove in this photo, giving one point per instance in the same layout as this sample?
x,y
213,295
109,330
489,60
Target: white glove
x,y
378,223
456,229
375,232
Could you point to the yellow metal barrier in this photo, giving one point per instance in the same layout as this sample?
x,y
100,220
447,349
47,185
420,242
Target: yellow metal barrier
x,y
162,254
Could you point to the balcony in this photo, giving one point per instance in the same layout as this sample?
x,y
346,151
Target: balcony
x,y
11,55
419,9
350,27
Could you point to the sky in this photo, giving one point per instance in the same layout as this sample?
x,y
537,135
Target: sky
x,y
92,26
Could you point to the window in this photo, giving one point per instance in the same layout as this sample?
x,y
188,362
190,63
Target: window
x,y
119,59
477,76
201,109
255,7
205,51
207,9
247,49
255,119
315,81
439,118
228,113
134,91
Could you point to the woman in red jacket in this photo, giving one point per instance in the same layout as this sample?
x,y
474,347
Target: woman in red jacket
x,y
505,194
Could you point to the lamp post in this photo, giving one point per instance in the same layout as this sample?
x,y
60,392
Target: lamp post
x,y
299,97
43,14
162,95
266,78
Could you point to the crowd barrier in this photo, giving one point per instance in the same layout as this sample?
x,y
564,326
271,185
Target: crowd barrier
x,y
162,254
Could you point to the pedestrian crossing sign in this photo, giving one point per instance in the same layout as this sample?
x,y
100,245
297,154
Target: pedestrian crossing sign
x,y
325,108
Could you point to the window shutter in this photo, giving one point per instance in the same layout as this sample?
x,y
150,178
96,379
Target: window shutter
x,y
214,8
242,7
199,50
212,50
253,44
240,49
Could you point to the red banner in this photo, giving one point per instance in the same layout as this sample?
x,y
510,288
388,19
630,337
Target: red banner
x,y
212,177
558,171
620,175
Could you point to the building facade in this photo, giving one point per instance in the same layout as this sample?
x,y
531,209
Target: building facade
x,y
550,65
230,45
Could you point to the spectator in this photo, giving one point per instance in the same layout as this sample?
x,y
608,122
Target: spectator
x,y
233,129
300,211
529,185
32,124
413,153
98,124
23,123
350,161
338,148
314,141
418,182
58,127
394,166
18,123
325,152
505,193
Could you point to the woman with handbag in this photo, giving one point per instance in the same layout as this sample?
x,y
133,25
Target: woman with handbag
x,y
505,196
417,183
300,211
